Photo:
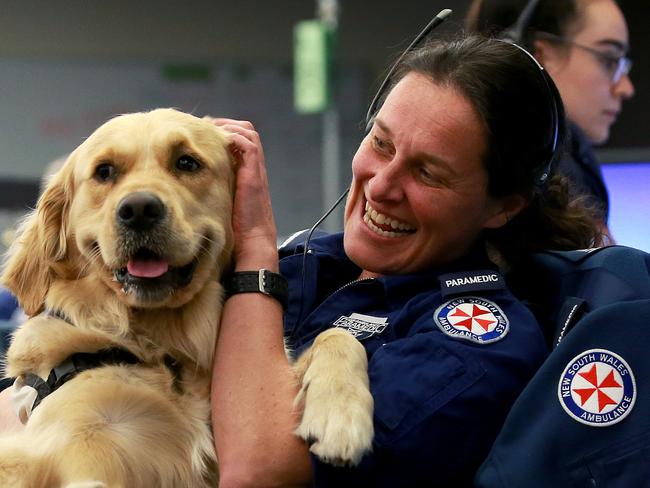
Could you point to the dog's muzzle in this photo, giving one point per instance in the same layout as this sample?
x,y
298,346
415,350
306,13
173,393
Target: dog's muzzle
x,y
140,211
143,232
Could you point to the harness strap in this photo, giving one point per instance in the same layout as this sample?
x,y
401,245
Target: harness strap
x,y
75,364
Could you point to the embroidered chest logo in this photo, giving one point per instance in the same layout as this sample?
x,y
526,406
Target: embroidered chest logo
x,y
472,318
597,388
362,326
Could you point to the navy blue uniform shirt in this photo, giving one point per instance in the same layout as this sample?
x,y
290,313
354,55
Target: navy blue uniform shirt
x,y
448,352
583,421
579,164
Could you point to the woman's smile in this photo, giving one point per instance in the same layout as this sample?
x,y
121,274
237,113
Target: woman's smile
x,y
384,225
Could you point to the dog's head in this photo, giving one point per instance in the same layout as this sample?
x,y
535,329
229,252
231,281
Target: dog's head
x,y
144,203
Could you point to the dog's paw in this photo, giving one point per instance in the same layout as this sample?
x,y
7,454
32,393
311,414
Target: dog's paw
x,y
338,427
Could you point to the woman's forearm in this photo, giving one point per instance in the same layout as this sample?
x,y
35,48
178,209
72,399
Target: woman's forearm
x,y
252,398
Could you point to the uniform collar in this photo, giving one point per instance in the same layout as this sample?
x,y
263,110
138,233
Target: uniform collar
x,y
400,288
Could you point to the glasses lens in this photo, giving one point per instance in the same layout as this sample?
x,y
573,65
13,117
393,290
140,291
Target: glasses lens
x,y
623,67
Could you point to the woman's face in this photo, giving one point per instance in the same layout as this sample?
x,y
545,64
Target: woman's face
x,y
419,189
592,100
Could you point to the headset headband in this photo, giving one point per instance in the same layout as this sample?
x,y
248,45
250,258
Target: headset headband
x,y
514,35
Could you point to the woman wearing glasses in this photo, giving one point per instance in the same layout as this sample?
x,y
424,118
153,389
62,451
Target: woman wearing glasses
x,y
583,45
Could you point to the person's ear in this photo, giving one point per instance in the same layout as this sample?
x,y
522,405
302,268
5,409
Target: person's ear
x,y
550,56
506,209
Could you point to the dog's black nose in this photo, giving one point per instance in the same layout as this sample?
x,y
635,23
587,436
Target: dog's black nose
x,y
140,211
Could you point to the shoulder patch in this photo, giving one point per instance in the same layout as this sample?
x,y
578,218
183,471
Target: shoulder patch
x,y
597,388
473,319
470,281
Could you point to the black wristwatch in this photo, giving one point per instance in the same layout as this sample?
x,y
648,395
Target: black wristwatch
x,y
262,281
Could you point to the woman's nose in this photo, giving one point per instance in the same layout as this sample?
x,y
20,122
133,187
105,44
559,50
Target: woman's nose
x,y
624,88
385,184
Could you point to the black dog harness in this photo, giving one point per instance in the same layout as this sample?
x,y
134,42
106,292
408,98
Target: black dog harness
x,y
83,361
75,364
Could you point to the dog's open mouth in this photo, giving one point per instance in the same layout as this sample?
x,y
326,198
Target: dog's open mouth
x,y
148,272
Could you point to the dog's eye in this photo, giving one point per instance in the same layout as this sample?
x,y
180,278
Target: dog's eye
x,y
104,172
188,164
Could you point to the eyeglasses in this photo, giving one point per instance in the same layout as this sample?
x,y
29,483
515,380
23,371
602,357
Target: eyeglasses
x,y
616,67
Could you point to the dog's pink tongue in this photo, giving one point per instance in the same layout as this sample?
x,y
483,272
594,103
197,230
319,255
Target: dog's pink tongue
x,y
147,268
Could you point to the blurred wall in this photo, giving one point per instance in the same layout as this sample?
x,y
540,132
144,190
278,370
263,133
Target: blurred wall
x,y
247,38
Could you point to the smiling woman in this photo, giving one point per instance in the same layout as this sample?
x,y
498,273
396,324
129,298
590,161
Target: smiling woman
x,y
459,158
422,170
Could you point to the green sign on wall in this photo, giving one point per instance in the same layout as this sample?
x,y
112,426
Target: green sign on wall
x,y
312,52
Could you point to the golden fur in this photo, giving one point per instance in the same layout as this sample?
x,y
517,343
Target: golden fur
x,y
146,425
334,392
123,425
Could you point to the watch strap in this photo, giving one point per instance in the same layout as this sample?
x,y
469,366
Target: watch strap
x,y
261,281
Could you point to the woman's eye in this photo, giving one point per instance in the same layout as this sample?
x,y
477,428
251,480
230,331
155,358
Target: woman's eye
x,y
379,144
187,164
611,64
428,177
104,172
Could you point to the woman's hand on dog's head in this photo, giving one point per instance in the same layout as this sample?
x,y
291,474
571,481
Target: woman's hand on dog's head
x,y
253,222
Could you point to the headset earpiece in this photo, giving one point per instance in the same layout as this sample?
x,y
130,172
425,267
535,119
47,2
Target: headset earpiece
x,y
515,35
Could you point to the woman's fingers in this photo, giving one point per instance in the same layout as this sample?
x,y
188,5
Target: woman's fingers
x,y
253,221
243,144
244,139
241,127
220,121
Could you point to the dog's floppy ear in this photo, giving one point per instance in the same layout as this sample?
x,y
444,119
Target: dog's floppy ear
x,y
41,241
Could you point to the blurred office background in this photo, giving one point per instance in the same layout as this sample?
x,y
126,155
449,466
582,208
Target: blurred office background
x,y
66,67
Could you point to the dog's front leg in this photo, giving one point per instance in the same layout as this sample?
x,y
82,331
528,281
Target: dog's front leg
x,y
43,342
338,406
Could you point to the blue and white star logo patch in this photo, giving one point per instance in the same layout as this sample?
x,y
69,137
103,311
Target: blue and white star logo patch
x,y
597,388
472,318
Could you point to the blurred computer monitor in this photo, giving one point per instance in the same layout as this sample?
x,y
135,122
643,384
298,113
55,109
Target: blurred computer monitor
x,y
629,196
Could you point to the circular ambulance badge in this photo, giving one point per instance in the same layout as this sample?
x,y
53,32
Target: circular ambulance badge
x,y
472,318
597,388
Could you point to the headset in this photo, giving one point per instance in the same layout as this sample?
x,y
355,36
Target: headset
x,y
512,35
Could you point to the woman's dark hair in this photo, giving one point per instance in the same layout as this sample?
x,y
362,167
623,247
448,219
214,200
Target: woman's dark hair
x,y
513,99
493,17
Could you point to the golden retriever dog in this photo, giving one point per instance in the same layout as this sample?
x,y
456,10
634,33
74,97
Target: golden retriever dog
x,y
124,255
119,267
